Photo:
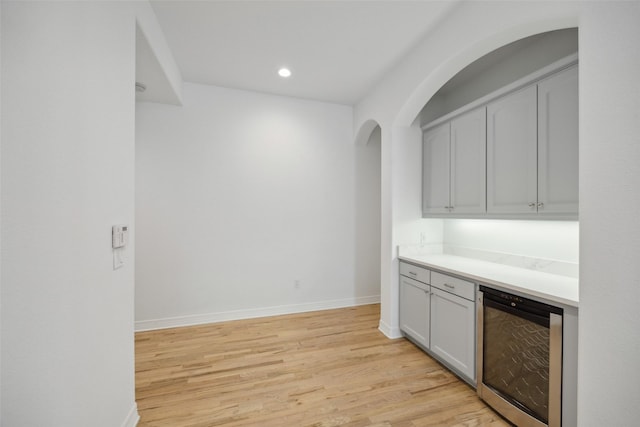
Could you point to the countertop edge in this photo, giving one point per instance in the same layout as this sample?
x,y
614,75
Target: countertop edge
x,y
494,282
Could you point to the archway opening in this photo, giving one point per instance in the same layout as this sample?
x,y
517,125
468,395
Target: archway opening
x,y
368,206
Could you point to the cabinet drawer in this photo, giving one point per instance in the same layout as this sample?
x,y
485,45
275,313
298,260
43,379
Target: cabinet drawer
x,y
414,272
454,285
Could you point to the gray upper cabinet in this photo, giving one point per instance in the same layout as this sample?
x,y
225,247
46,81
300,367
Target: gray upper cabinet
x,y
512,153
558,143
468,166
435,171
532,149
454,166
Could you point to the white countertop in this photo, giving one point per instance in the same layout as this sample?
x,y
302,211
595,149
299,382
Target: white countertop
x,y
551,287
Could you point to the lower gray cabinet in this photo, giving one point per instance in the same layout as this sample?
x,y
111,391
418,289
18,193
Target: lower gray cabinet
x,y
440,316
453,331
415,306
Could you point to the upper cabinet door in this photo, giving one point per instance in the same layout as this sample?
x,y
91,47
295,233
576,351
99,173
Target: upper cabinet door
x,y
558,143
435,173
468,163
512,153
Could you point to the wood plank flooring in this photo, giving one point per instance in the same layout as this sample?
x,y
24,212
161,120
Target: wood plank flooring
x,y
321,369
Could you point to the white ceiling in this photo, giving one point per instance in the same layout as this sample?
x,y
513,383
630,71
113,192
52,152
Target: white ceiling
x,y
337,50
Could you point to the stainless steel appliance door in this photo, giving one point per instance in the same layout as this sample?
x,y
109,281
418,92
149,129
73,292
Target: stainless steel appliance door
x,y
519,361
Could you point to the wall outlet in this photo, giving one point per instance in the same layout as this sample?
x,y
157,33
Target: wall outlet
x,y
423,238
296,284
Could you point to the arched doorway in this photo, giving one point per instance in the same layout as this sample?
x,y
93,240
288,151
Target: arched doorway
x,y
368,206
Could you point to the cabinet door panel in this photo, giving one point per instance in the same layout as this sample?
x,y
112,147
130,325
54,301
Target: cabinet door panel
x,y
468,162
435,175
558,143
415,310
512,153
453,331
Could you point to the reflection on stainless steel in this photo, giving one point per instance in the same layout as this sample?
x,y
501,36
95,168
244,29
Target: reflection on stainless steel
x,y
516,360
520,358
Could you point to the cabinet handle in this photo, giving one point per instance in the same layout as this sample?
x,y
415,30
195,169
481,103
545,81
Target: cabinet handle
x,y
412,273
540,205
532,205
449,286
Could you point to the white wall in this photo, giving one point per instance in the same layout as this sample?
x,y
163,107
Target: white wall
x,y
407,191
609,341
240,194
67,176
552,240
0,212
404,211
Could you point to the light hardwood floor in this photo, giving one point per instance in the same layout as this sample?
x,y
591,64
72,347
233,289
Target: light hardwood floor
x,y
321,369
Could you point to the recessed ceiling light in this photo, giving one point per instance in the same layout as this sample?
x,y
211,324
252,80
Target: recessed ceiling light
x,y
284,72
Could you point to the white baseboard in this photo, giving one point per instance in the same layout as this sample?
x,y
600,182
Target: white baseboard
x,y
390,332
133,417
198,319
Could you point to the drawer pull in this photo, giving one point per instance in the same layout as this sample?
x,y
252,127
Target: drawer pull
x,y
413,273
449,286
